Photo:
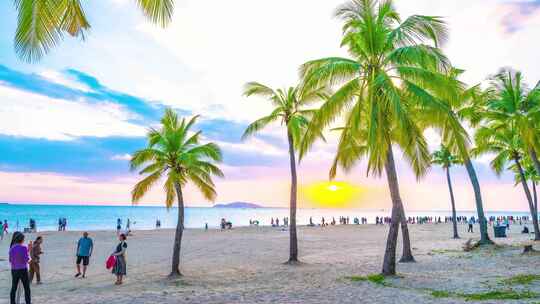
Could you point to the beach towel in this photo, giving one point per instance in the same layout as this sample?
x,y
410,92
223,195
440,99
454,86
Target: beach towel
x,y
111,262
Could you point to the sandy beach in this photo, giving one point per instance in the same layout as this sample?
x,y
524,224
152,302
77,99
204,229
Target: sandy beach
x,y
245,265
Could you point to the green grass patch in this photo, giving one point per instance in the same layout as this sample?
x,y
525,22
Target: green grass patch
x,y
522,279
489,295
500,295
440,294
373,278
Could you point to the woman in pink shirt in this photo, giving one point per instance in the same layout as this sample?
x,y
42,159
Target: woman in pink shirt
x,y
18,258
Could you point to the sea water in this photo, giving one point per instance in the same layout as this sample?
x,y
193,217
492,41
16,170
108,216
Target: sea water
x,y
84,217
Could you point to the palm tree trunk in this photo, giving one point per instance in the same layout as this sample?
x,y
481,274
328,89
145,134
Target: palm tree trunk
x,y
407,256
535,196
534,157
536,162
175,269
529,199
293,241
389,262
484,237
453,201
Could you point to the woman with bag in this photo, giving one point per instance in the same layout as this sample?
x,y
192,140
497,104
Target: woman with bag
x,y
120,267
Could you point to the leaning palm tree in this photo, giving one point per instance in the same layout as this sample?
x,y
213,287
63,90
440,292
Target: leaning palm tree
x,y
289,110
395,68
503,140
42,24
175,155
444,158
516,103
467,104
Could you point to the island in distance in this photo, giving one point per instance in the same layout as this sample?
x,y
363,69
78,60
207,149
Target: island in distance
x,y
238,205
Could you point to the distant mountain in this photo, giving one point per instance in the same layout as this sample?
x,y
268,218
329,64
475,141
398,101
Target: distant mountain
x,y
237,205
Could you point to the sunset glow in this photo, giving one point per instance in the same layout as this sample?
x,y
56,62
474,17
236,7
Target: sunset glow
x,y
332,194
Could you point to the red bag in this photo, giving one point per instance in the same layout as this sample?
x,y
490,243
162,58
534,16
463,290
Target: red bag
x,y
111,262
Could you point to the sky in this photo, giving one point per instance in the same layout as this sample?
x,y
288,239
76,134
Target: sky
x,y
69,123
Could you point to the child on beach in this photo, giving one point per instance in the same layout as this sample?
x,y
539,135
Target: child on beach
x,y
35,252
18,259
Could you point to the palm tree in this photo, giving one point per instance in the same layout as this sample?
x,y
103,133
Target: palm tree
x,y
41,24
504,141
176,155
289,110
467,104
515,103
446,159
395,68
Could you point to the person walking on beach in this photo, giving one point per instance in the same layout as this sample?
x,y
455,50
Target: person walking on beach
x,y
118,225
35,252
5,227
471,223
120,267
85,247
18,259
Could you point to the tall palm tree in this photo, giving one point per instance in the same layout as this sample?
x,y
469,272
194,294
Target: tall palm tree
x,y
289,110
504,141
444,158
176,155
468,105
396,66
518,104
42,24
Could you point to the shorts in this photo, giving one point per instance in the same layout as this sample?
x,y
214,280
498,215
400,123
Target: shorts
x,y
85,260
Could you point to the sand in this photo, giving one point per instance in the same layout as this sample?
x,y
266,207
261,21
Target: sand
x,y
245,265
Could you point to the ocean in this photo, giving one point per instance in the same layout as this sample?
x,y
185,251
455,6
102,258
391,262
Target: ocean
x,y
83,217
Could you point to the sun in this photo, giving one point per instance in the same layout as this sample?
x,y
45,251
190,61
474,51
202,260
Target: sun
x,y
334,194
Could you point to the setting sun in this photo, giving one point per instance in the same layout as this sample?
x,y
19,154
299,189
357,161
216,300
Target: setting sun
x,y
332,194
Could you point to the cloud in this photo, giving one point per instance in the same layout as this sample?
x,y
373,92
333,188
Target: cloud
x,y
65,80
30,115
123,157
517,13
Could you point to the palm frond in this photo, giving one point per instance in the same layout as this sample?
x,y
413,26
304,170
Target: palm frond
x,y
37,28
74,19
157,11
142,187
